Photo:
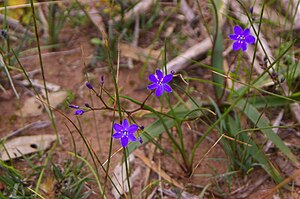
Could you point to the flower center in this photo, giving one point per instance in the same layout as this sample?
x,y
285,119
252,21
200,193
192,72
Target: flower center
x,y
124,132
159,82
241,37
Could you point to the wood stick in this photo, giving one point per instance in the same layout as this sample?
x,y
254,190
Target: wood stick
x,y
34,125
15,25
182,61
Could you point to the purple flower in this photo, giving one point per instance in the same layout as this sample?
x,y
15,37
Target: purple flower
x,y
125,132
160,82
89,85
242,37
79,112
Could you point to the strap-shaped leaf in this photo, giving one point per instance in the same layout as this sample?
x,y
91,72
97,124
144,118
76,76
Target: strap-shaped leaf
x,y
255,116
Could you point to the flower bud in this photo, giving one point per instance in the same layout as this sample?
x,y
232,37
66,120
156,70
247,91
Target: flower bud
x,y
89,85
79,112
140,140
101,80
73,106
251,10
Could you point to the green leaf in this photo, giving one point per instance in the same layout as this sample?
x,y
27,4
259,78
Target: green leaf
x,y
217,56
255,116
273,101
254,151
96,41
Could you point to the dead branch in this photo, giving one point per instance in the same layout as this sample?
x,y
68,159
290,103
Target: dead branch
x,y
187,11
15,25
140,8
34,125
245,193
52,54
183,60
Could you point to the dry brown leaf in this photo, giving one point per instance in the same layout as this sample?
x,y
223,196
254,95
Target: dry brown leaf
x,y
138,53
19,146
156,169
120,180
48,186
34,107
57,98
96,18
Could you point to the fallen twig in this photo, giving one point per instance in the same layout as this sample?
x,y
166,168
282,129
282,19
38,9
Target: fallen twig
x,y
135,39
27,5
187,11
52,54
250,189
287,180
140,8
34,125
39,84
29,73
14,25
183,60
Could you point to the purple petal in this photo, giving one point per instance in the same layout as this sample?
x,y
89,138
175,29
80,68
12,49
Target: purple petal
x,y
152,86
167,88
244,46
159,91
117,135
79,112
238,30
118,127
233,37
159,74
236,45
132,128
152,78
246,32
131,137
124,141
125,124
167,78
250,39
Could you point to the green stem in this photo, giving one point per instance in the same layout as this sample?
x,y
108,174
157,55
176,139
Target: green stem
x,y
127,173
